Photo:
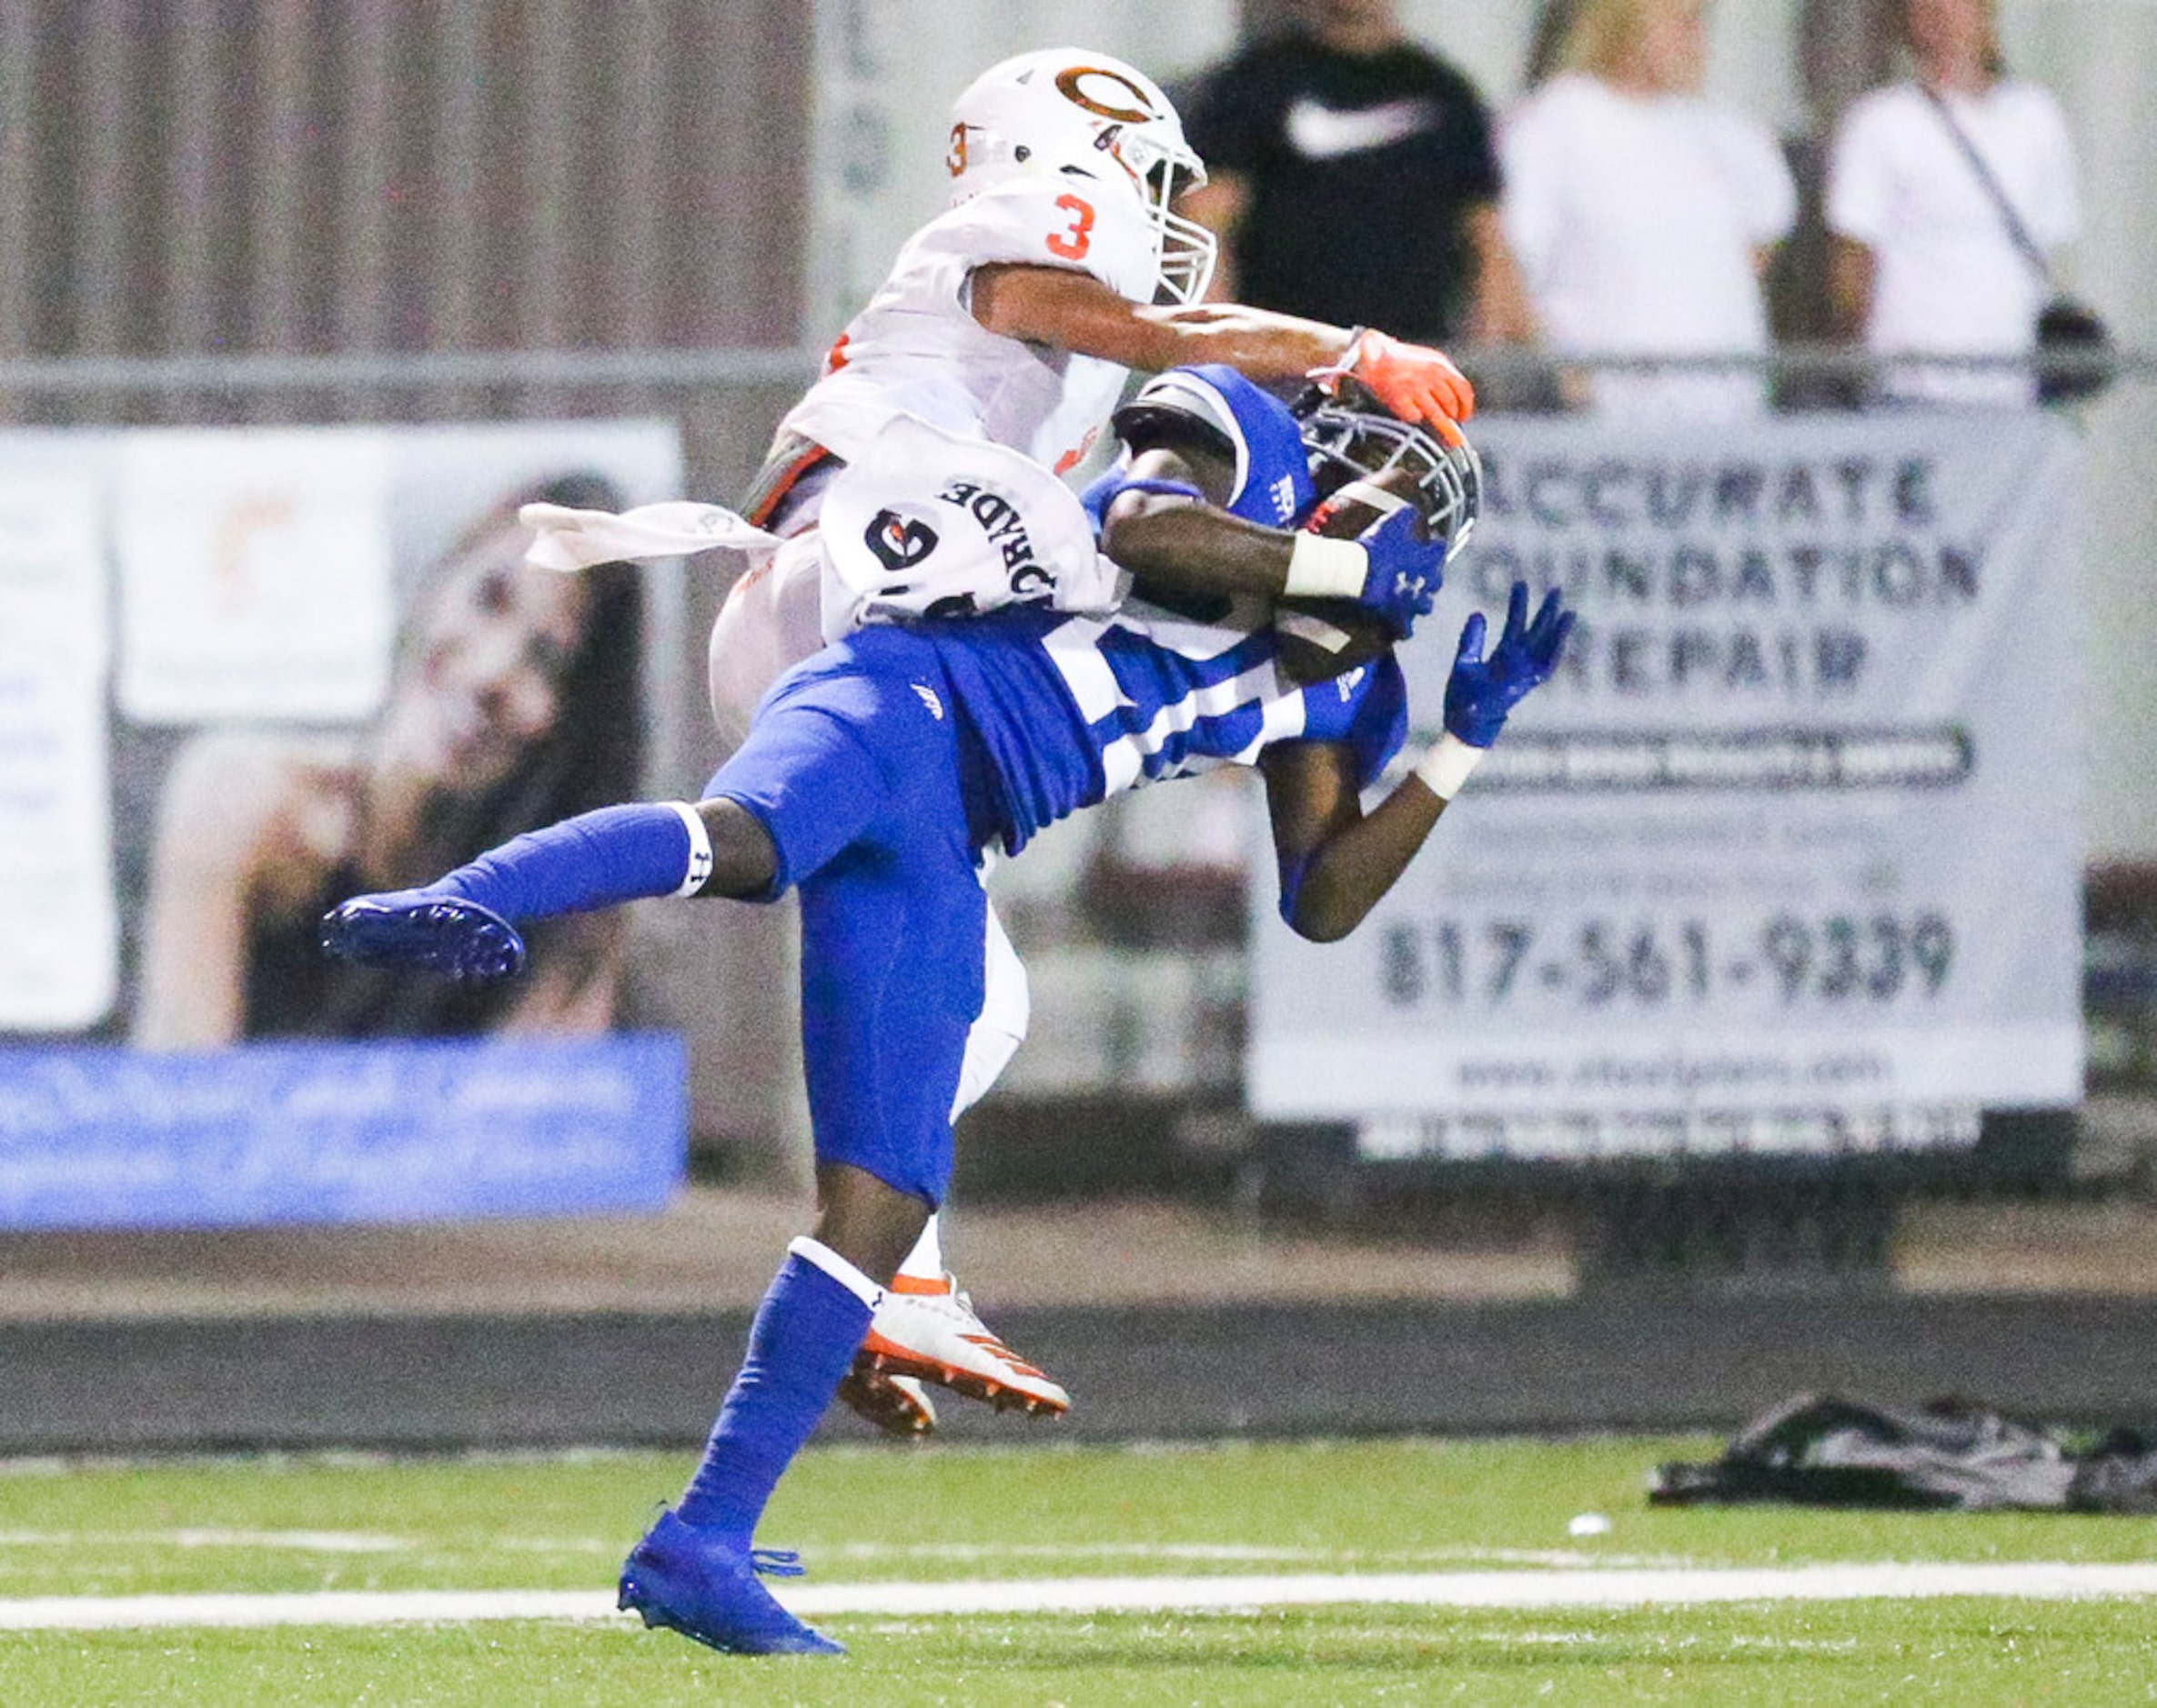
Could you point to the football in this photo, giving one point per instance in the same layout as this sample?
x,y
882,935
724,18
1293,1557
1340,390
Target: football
x,y
1322,638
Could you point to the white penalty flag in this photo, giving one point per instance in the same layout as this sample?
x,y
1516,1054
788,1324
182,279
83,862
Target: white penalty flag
x,y
568,539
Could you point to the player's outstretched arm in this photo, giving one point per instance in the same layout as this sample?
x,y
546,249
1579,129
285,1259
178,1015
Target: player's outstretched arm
x,y
1068,310
1165,528
1335,861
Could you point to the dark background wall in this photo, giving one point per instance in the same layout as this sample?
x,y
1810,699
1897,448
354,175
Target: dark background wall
x,y
199,176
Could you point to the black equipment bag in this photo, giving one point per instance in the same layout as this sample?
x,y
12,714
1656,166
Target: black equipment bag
x,y
1819,1451
2066,327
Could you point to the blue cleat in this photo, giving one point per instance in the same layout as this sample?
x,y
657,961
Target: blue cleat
x,y
444,935
691,1581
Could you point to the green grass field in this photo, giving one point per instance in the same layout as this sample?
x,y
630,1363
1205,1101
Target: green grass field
x,y
950,1515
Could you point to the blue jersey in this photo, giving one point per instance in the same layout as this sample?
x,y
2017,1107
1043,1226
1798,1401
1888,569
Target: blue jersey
x,y
1073,709
882,765
1273,483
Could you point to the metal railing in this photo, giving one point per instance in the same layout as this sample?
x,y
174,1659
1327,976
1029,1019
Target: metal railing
x,y
692,368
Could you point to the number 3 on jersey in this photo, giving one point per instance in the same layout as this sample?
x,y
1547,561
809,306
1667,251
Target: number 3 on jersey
x,y
1073,243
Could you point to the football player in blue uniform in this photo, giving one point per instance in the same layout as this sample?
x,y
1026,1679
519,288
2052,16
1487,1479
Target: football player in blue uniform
x,y
1014,318
876,770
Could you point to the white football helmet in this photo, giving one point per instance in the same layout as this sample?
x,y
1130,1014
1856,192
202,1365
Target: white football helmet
x,y
1065,109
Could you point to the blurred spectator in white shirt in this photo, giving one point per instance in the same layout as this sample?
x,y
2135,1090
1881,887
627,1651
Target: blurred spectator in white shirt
x,y
1643,216
1923,259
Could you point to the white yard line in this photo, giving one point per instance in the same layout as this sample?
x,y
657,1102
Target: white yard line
x,y
292,1541
1211,1553
1622,1588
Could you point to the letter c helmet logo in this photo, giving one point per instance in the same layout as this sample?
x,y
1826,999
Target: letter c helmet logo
x,y
1071,83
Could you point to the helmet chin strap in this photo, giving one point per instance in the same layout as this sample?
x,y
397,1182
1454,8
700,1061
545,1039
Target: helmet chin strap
x,y
1379,498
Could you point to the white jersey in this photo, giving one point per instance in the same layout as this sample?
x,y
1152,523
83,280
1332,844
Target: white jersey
x,y
1947,276
916,349
922,523
1636,222
770,620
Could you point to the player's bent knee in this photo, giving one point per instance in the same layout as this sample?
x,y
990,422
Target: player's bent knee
x,y
870,1222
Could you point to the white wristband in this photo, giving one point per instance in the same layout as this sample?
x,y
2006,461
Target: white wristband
x,y
1447,766
699,849
1326,568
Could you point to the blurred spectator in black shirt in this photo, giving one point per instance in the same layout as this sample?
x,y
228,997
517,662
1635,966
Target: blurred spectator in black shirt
x,y
1353,178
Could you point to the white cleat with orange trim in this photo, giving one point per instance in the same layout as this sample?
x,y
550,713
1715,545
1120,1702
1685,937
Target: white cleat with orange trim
x,y
926,1329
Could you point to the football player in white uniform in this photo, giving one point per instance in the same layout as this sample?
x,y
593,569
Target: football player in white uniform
x,y
1059,265
1014,317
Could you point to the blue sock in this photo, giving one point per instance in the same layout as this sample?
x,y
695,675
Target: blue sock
x,y
801,1343
596,859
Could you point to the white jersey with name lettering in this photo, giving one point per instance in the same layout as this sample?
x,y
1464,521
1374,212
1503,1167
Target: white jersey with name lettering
x,y
923,524
916,349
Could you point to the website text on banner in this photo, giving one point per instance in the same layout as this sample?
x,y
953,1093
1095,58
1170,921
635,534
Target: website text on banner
x,y
1794,829
389,1131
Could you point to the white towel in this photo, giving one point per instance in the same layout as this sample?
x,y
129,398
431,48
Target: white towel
x,y
567,539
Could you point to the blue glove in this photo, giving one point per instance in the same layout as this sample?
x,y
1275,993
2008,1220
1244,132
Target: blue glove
x,y
1482,690
1406,571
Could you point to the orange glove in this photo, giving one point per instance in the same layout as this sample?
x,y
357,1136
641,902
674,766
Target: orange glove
x,y
1414,381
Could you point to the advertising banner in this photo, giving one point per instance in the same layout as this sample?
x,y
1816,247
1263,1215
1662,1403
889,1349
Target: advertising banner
x,y
1793,829
334,673
386,1131
59,927
254,576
